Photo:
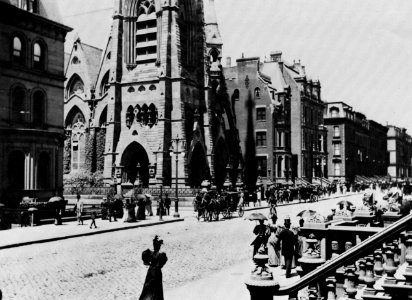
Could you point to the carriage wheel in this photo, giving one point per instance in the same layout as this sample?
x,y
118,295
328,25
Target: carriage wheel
x,y
240,211
229,213
224,213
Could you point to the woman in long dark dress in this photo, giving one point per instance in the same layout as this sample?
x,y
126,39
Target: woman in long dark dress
x,y
153,285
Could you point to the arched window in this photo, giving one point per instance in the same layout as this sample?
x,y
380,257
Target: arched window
x,y
15,174
138,113
104,86
43,171
75,116
236,95
17,49
75,60
18,105
75,87
214,55
144,115
39,108
257,92
129,117
38,56
152,115
141,32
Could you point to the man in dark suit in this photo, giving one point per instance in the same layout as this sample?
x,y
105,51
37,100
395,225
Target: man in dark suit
x,y
289,245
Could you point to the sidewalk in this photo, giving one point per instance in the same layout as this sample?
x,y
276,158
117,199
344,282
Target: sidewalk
x,y
228,284
21,236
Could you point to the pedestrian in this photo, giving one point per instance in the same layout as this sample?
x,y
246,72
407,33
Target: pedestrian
x,y
273,252
262,232
148,203
112,212
301,222
93,217
254,198
153,285
299,245
78,208
168,202
259,197
287,242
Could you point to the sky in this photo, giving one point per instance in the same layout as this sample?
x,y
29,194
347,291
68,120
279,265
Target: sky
x,y
360,50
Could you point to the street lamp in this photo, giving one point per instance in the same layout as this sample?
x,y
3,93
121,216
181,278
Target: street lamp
x,y
321,163
138,182
177,140
227,184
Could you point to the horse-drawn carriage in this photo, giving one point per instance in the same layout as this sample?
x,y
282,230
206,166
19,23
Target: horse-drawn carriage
x,y
229,203
309,193
209,205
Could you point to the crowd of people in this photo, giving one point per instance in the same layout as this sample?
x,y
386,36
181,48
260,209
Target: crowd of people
x,y
283,244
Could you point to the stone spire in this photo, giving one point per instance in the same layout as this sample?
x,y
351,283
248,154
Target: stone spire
x,y
213,36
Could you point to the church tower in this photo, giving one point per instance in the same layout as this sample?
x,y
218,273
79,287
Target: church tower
x,y
153,93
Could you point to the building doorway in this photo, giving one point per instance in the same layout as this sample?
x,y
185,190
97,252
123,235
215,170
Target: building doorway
x,y
133,156
198,166
221,159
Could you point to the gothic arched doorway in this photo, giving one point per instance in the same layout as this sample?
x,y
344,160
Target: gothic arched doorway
x,y
198,166
221,159
133,155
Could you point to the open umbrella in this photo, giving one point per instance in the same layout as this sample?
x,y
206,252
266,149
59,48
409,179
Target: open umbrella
x,y
345,203
256,216
306,213
55,199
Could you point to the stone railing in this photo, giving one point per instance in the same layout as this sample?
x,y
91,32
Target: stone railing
x,y
380,267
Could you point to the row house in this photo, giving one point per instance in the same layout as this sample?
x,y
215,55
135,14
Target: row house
x,y
356,145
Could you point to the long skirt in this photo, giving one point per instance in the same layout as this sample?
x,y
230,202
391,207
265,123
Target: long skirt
x,y
274,255
153,285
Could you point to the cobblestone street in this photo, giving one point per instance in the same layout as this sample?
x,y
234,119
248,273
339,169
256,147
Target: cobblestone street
x,y
109,266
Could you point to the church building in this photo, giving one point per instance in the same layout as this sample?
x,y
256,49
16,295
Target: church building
x,y
151,108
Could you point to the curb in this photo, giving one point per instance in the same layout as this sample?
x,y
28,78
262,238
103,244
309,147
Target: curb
x,y
88,234
293,203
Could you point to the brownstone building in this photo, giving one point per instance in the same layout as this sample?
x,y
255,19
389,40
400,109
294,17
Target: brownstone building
x,y
400,153
356,145
157,81
31,93
288,114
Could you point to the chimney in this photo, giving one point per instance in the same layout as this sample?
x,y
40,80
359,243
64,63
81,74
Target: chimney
x,y
276,56
228,61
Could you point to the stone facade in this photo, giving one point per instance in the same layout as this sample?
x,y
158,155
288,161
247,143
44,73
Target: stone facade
x,y
31,114
288,116
156,88
399,152
356,145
